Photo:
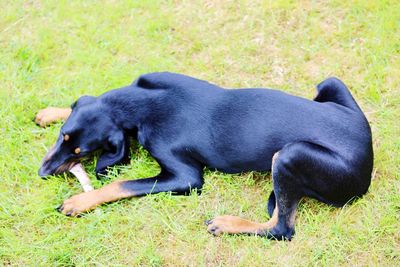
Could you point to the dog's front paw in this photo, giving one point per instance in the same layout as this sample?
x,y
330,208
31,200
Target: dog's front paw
x,y
231,225
79,204
49,115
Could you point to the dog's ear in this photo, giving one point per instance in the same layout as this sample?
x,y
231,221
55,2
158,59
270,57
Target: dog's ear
x,y
83,100
117,151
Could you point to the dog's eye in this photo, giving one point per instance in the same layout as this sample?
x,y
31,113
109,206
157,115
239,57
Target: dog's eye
x,y
77,150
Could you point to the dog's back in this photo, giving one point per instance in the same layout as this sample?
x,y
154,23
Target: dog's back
x,y
232,129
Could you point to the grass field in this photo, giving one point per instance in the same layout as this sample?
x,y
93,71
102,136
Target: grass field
x,y
52,52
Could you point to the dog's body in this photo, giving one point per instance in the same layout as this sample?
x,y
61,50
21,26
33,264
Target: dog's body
x,y
322,148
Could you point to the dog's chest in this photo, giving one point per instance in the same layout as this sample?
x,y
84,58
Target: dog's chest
x,y
141,136
145,136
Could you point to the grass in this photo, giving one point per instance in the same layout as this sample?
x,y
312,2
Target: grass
x,y
52,52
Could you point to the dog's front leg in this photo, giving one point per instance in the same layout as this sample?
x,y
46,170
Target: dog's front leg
x,y
87,201
50,114
181,182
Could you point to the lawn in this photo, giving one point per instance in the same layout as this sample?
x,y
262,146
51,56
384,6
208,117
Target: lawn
x,y
52,52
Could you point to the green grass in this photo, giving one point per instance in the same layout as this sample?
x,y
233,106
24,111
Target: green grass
x,y
52,52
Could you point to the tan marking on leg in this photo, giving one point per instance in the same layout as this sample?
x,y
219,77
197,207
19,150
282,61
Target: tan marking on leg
x,y
89,200
274,219
292,218
48,115
232,225
274,157
235,225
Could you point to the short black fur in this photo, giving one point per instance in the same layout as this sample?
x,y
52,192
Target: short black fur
x,y
325,147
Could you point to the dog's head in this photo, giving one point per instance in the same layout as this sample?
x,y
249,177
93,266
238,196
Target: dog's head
x,y
87,129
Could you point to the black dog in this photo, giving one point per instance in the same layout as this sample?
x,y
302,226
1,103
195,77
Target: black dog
x,y
320,149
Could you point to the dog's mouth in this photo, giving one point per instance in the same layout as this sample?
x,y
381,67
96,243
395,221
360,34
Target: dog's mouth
x,y
66,166
52,159
46,171
56,162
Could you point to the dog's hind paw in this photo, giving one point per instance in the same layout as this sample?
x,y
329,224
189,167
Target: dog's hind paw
x,y
232,225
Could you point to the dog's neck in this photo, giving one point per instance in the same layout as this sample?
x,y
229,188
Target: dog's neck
x,y
131,106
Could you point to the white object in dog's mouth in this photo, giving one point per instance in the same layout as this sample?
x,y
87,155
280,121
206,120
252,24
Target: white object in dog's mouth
x,y
82,177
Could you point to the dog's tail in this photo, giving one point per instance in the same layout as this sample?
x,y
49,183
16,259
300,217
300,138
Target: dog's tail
x,y
334,90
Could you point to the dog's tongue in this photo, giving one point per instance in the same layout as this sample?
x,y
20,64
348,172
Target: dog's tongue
x,y
82,177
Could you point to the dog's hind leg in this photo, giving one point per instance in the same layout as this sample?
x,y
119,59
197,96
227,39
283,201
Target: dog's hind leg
x,y
281,207
300,169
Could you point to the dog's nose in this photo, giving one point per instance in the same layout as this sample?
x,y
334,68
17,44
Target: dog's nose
x,y
43,172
